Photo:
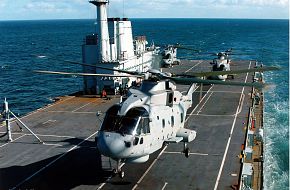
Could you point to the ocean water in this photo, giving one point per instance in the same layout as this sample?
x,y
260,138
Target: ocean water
x,y
262,40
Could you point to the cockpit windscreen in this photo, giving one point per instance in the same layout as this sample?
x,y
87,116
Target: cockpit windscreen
x,y
123,124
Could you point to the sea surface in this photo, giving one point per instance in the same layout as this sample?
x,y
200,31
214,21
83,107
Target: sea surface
x,y
263,40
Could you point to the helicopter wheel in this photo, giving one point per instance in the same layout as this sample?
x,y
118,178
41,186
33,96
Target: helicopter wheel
x,y
121,174
118,170
186,152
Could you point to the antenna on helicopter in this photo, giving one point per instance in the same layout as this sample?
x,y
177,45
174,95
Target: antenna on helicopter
x,y
6,116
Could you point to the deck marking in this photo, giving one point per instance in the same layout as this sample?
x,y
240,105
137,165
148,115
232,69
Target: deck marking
x,y
84,105
230,136
28,134
57,136
52,162
204,103
109,178
164,186
48,121
241,104
71,112
47,144
224,91
191,153
208,115
41,109
53,104
199,103
199,62
12,141
139,181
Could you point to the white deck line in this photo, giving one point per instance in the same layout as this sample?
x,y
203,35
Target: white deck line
x,y
47,144
28,134
71,112
165,184
199,103
41,109
12,141
230,136
103,184
216,115
204,103
155,160
52,162
199,62
209,115
84,105
191,153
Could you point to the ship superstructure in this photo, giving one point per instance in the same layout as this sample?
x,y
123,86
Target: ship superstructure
x,y
114,47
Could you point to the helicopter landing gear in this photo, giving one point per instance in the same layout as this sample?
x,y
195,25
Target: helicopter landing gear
x,y
186,150
119,170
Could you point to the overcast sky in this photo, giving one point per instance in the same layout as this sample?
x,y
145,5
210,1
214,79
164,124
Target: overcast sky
x,y
81,9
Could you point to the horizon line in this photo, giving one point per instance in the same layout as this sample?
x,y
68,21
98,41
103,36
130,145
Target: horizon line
x,y
146,18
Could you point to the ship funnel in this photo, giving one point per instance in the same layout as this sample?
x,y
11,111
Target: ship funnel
x,y
102,28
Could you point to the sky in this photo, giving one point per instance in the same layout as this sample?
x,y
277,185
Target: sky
x,y
81,9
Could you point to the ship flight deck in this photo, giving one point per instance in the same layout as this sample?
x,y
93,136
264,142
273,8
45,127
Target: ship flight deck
x,y
69,159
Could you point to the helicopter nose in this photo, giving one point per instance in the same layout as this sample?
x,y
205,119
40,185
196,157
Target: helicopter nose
x,y
110,144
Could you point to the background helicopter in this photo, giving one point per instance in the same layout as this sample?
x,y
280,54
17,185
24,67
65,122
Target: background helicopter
x,y
221,63
169,55
152,115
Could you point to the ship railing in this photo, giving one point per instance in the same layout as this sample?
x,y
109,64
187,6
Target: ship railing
x,y
247,178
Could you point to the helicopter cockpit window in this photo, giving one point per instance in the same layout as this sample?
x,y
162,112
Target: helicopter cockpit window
x,y
111,119
125,124
141,121
143,126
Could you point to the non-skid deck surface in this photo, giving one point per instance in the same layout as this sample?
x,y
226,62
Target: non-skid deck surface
x,y
68,159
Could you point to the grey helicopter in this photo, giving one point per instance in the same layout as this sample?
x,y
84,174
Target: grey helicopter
x,y
221,67
152,115
221,63
169,54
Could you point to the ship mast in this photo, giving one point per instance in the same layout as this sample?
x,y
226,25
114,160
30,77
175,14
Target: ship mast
x,y
102,28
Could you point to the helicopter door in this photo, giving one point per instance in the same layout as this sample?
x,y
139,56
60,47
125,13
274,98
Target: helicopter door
x,y
169,101
143,135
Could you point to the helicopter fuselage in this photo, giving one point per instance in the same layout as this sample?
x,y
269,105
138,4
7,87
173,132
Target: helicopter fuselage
x,y
139,126
169,56
222,63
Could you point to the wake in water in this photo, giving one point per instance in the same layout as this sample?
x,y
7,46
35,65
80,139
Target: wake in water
x,y
276,133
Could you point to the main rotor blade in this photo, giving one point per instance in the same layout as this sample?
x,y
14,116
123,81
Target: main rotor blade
x,y
90,65
85,74
105,68
216,73
189,81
